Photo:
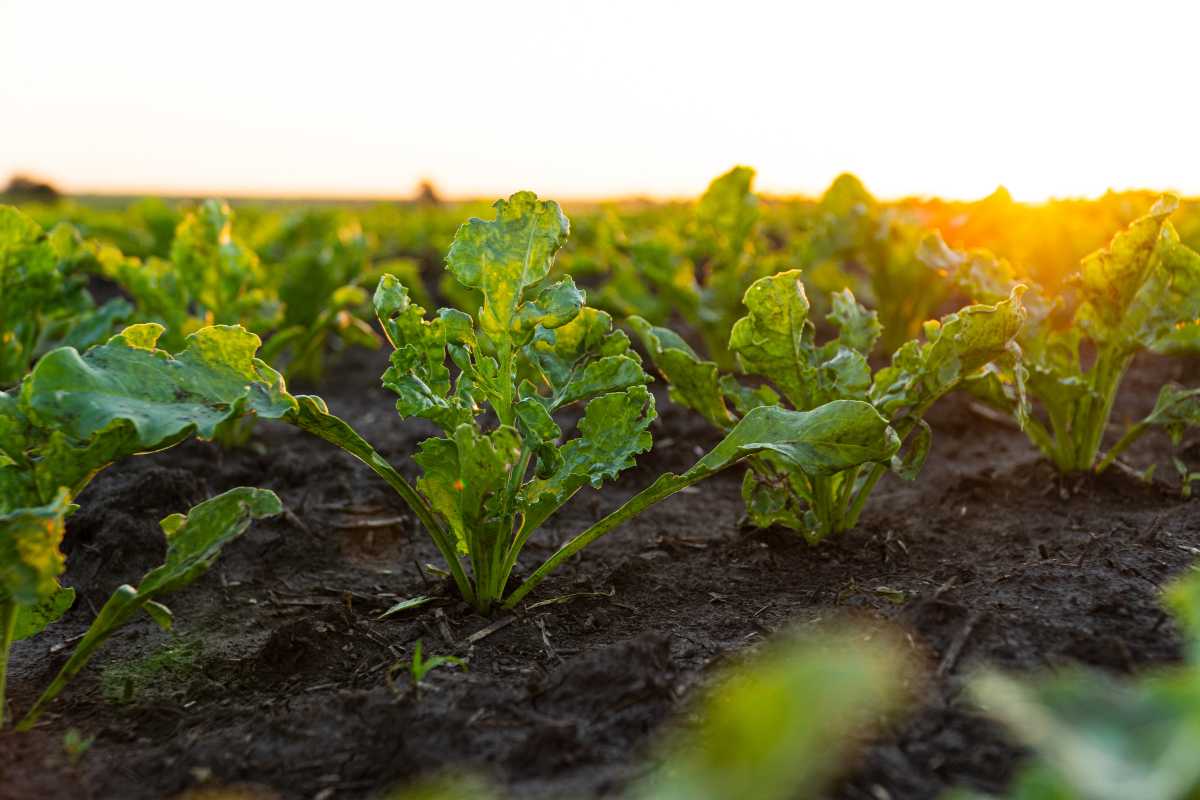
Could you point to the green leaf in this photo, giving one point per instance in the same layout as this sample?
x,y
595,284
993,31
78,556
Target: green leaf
x,y
956,348
774,339
785,724
1110,279
32,620
164,398
1176,409
510,255
418,374
726,214
858,328
220,272
908,463
693,383
584,358
30,561
826,440
464,478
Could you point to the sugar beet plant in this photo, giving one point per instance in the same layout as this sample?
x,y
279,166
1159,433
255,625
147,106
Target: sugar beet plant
x,y
775,344
494,382
44,300
1128,297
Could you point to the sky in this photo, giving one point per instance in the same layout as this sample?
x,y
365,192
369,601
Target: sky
x,y
596,99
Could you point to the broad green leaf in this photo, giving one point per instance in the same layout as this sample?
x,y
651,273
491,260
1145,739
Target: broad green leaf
x,y
508,256
826,440
784,725
692,382
1110,279
163,397
195,539
464,477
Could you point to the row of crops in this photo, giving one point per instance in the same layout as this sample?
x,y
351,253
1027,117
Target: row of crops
x,y
812,336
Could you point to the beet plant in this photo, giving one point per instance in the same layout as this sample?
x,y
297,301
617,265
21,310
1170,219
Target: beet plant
x,y
1076,348
494,382
776,347
44,299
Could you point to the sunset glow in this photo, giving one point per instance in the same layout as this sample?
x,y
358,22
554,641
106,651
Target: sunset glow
x,y
589,100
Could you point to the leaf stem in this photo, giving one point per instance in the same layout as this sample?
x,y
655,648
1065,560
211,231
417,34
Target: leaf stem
x,y
8,629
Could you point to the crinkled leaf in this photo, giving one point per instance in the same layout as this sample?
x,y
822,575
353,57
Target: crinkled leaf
x,y
508,256
584,358
826,440
775,339
464,477
1110,279
858,328
613,431
956,348
418,374
692,382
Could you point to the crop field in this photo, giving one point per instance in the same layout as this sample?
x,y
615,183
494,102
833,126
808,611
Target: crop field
x,y
742,496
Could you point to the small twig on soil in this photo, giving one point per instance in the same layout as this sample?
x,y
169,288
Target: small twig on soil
x,y
956,647
483,633
369,524
443,626
291,517
549,648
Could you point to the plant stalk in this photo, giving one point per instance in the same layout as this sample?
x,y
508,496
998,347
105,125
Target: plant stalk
x,y
8,629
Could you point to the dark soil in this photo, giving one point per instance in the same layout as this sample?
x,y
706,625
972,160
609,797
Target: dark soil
x,y
988,558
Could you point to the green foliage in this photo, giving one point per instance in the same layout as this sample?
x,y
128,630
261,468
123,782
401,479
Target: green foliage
x,y
75,414
535,349
1099,739
697,264
194,541
44,299
1131,296
420,666
852,240
775,344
